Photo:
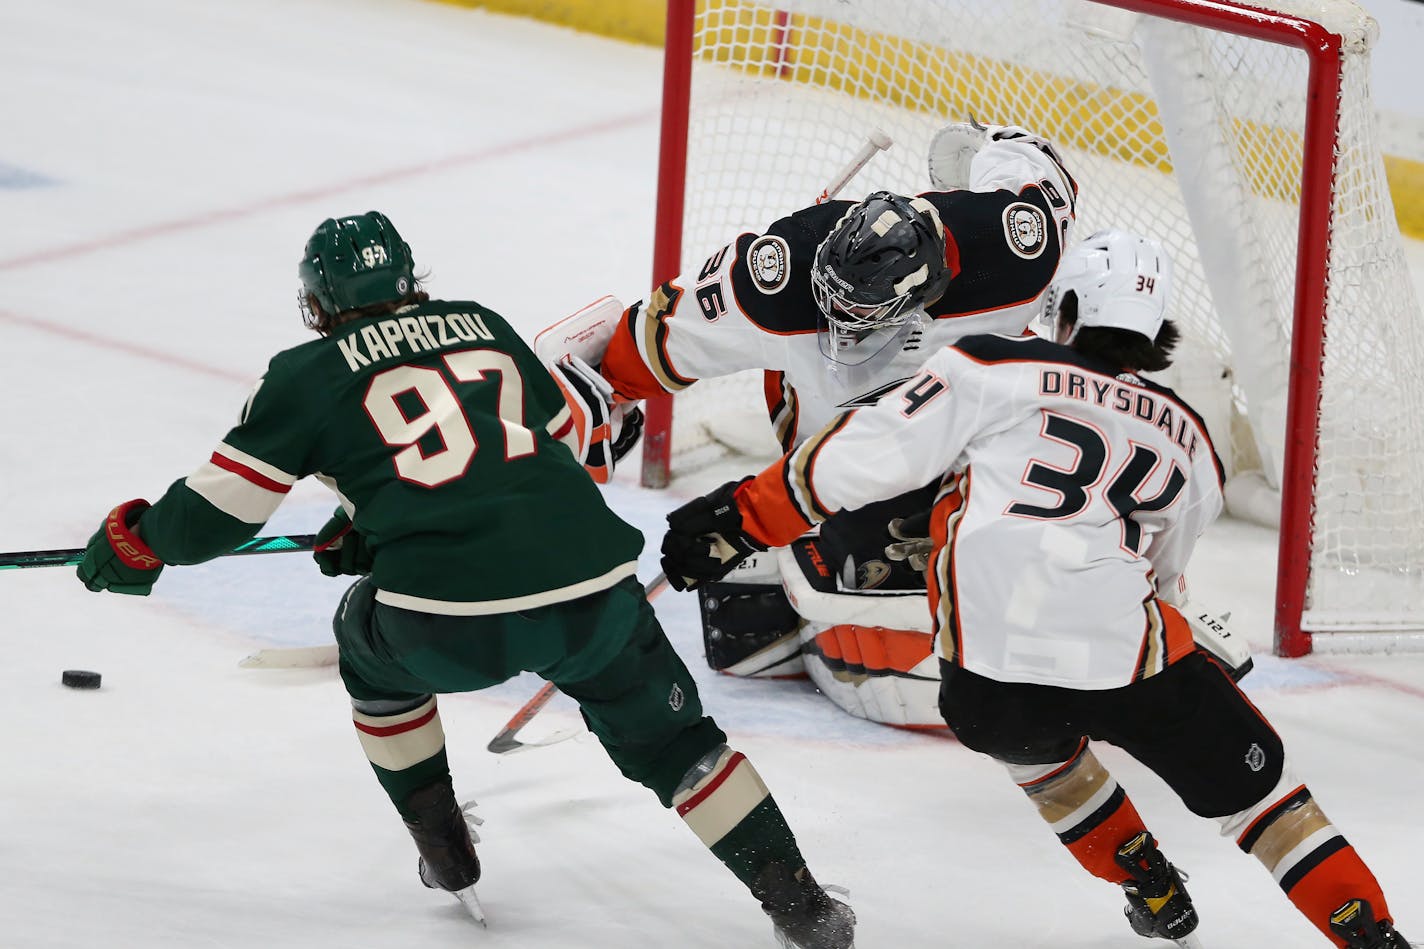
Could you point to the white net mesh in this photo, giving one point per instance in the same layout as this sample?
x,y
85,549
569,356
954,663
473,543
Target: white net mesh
x,y
1190,135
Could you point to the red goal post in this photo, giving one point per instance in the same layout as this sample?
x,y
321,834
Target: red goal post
x,y
1111,83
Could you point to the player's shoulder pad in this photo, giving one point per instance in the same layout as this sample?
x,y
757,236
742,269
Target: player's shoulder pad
x,y
1002,347
1002,248
771,274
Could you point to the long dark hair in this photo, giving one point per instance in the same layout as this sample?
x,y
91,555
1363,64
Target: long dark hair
x,y
1122,349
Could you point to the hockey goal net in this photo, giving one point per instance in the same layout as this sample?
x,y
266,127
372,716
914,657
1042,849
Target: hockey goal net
x,y
1242,137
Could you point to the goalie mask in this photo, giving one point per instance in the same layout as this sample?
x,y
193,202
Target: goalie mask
x,y
354,262
883,261
1118,279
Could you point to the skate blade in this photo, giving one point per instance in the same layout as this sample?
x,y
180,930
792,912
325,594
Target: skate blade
x,y
472,905
1190,941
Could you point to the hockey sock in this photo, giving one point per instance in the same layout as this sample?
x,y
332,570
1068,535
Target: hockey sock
x,y
406,748
731,811
1310,859
1086,807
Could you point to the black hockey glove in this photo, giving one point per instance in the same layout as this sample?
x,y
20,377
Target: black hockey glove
x,y
913,544
628,434
705,540
338,549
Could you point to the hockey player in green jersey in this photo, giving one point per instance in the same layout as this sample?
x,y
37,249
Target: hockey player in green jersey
x,y
455,453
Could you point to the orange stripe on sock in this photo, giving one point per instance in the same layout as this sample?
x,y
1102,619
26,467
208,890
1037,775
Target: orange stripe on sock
x,y
1096,850
1339,877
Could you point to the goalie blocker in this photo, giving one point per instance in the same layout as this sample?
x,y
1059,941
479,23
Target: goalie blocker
x,y
603,430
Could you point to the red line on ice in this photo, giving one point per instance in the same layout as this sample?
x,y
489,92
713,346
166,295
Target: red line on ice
x,y
222,215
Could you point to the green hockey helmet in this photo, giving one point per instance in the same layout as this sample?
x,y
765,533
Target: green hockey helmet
x,y
356,261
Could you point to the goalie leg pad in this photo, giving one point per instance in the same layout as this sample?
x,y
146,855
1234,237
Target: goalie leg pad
x,y
875,673
750,629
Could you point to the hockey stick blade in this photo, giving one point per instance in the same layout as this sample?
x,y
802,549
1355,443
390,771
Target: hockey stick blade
x,y
275,544
291,657
507,742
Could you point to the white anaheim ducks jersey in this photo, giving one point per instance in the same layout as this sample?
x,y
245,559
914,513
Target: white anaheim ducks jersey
x,y
1070,496
750,305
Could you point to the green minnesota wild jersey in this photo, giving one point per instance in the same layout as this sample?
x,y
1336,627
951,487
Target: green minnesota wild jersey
x,y
448,443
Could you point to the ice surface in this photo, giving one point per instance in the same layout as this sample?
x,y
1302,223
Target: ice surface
x,y
163,162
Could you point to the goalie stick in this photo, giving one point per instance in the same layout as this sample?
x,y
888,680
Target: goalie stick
x,y
507,741
877,141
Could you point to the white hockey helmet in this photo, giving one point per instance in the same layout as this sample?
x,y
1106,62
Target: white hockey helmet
x,y
1119,279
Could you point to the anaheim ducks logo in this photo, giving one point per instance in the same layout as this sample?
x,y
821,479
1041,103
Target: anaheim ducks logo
x,y
768,260
1026,228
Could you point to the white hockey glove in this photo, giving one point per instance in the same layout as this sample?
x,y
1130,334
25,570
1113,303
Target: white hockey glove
x,y
1023,158
952,150
1212,634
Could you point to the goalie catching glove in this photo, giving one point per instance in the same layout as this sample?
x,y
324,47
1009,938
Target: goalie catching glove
x,y
705,539
339,549
116,558
1015,152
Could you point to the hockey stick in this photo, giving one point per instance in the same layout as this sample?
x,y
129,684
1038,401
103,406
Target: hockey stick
x,y
878,142
291,657
275,544
280,657
506,741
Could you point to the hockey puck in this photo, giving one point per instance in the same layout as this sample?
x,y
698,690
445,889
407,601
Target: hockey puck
x,y
80,679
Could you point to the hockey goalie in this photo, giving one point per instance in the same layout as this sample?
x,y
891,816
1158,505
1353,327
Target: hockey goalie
x,y
837,304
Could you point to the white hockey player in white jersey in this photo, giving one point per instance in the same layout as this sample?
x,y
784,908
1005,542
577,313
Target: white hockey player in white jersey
x,y
838,303
1072,491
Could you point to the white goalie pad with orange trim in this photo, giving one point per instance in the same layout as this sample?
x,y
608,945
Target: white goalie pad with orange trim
x,y
870,653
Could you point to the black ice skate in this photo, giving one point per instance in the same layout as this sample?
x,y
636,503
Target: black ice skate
x,y
1157,903
1356,924
803,915
442,834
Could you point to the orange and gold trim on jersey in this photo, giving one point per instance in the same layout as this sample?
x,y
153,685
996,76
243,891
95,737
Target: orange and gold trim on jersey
x,y
801,469
770,513
662,305
714,806
397,742
1166,638
945,518
780,504
782,407
623,364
